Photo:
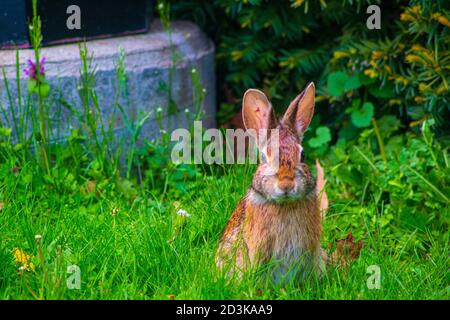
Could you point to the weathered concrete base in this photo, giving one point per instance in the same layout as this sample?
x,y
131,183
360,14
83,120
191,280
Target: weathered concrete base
x,y
149,66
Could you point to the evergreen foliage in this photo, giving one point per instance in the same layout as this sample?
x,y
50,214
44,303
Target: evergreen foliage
x,y
279,46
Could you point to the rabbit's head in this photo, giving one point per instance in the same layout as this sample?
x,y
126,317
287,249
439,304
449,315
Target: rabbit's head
x,y
282,176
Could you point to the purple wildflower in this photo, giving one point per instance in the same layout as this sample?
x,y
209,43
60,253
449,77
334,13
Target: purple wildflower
x,y
31,70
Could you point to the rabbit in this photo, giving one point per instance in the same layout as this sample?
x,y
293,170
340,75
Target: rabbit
x,y
279,220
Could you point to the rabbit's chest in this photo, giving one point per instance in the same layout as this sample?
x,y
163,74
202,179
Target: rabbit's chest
x,y
290,239
292,251
285,236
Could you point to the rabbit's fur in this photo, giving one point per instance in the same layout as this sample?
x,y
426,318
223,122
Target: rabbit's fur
x,y
279,219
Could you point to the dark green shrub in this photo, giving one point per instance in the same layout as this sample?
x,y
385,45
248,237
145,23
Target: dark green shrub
x,y
401,69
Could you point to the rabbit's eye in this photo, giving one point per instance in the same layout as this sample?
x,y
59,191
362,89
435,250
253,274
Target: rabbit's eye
x,y
263,157
302,156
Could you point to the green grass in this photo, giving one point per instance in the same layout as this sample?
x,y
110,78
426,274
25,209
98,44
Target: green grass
x,y
390,188
145,252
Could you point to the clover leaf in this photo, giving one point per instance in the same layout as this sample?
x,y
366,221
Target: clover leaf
x,y
323,136
361,118
353,82
336,83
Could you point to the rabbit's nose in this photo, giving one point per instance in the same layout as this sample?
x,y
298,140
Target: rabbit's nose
x,y
286,185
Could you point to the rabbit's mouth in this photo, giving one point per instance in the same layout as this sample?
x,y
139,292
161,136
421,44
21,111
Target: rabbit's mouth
x,y
288,197
258,197
293,192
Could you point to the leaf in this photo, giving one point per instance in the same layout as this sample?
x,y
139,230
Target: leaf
x,y
386,91
348,131
353,106
323,136
388,124
353,82
336,83
350,175
365,80
31,85
394,145
361,118
89,187
347,250
5,132
44,90
126,187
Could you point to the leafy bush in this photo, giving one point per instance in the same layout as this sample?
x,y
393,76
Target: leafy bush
x,y
402,69
403,193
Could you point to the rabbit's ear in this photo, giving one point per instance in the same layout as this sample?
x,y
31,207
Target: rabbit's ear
x,y
301,110
257,111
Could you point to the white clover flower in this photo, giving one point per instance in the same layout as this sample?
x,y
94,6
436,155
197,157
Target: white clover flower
x,y
186,110
163,131
37,237
193,70
159,110
204,90
115,211
183,213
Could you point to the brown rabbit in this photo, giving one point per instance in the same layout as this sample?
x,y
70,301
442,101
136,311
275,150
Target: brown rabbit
x,y
279,219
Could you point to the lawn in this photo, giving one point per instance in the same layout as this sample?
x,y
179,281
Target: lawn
x,y
142,249
92,217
